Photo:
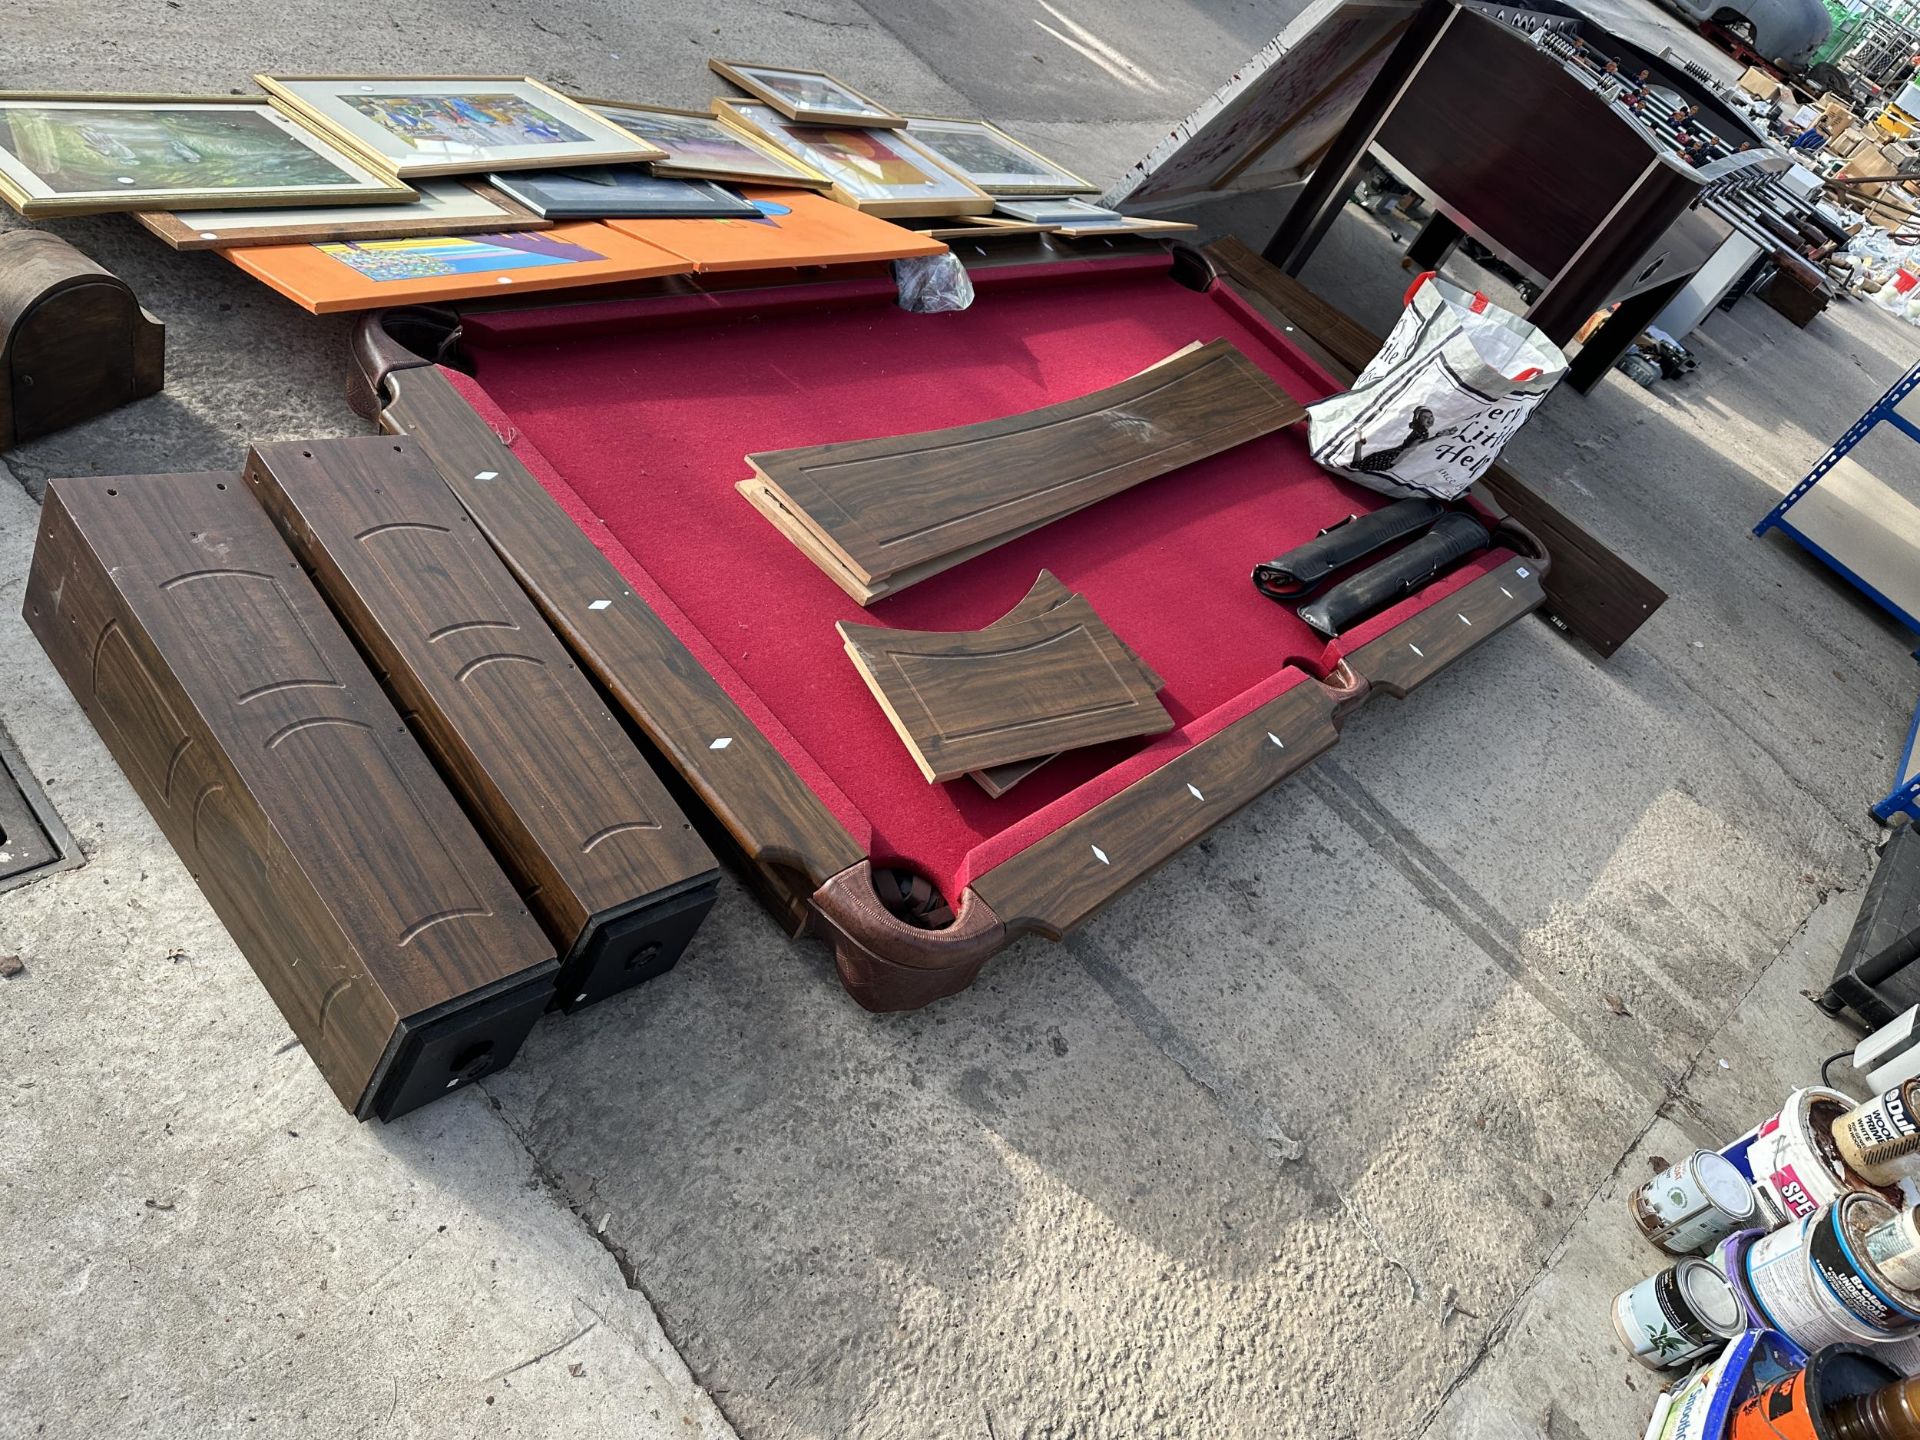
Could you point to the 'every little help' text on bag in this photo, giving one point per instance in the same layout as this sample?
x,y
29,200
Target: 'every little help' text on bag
x,y
1430,412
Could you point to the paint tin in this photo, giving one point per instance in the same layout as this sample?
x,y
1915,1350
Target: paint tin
x,y
1729,1257
1685,1312
1895,1247
1692,1205
1797,1407
1879,1139
1795,1160
1813,1282
1698,1407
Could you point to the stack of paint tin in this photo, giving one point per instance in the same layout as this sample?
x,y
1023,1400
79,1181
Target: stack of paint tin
x,y
1795,1228
1689,1310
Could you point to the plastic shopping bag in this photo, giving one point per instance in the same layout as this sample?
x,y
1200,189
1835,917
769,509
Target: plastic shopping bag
x,y
1429,414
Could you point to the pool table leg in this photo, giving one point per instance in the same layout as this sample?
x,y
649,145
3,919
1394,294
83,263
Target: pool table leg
x,y
887,963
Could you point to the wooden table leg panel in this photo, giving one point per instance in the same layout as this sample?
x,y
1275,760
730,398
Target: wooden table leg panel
x,y
603,855
256,736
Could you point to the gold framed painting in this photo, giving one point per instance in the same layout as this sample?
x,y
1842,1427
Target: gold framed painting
x,y
882,172
445,207
985,155
811,97
701,146
66,154
423,125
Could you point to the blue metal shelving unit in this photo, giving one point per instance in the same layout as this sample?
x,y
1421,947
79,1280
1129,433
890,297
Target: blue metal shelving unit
x,y
1904,798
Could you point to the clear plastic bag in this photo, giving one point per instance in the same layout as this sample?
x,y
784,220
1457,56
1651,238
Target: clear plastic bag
x,y
929,284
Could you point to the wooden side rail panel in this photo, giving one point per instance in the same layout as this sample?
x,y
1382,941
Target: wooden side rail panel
x,y
1591,590
736,772
572,809
264,747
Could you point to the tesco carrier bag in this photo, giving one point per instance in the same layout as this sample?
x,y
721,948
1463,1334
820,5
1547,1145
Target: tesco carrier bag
x,y
1429,414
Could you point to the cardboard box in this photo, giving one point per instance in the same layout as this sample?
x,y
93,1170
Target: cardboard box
x,y
1847,142
1835,119
1758,82
1866,161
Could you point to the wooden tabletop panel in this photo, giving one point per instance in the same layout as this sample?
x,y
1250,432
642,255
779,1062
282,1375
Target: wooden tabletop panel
x,y
889,505
972,699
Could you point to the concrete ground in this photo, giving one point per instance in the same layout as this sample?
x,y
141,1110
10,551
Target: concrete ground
x,y
1323,1131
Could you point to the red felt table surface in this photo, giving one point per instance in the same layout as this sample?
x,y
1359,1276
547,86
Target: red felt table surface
x,y
636,417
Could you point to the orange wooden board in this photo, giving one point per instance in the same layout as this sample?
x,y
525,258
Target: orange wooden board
x,y
813,230
371,274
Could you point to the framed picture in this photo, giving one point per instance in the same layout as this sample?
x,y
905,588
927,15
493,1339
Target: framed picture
x,y
84,154
417,125
365,274
445,207
992,159
882,172
699,146
620,192
1076,219
812,97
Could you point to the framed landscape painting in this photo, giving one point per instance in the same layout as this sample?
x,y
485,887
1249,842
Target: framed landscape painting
x,y
882,172
812,97
83,154
699,146
992,159
417,125
445,207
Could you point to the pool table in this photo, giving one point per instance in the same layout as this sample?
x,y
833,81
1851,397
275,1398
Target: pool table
x,y
597,444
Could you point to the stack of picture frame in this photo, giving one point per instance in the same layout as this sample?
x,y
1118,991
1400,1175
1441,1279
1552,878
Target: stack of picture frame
x,y
345,191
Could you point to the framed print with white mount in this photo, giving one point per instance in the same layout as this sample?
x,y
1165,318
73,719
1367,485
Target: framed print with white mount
x,y
445,207
882,172
63,154
992,159
700,146
812,97
420,125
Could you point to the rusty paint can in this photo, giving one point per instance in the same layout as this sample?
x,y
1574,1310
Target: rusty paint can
x,y
1799,1406
1695,1204
1814,1282
1795,1161
1879,1139
1685,1312
1895,1247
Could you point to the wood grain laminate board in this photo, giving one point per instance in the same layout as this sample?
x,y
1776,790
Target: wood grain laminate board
x,y
781,826
1046,595
1591,590
972,699
888,505
349,877
604,857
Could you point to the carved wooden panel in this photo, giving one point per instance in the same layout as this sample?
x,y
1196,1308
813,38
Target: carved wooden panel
x,y
573,810
972,699
256,735
1046,595
916,502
